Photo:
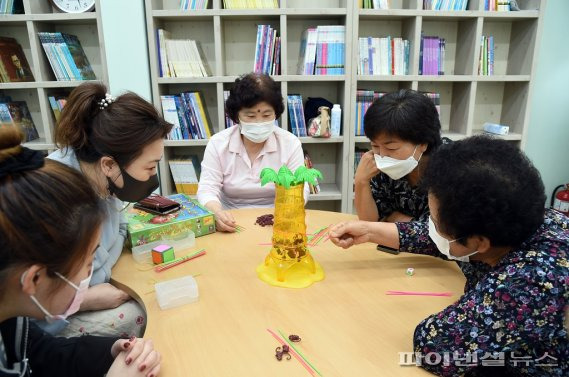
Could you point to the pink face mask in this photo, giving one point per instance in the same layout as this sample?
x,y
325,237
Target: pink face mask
x,y
75,303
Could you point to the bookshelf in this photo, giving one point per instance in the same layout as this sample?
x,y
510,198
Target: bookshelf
x,y
467,99
40,16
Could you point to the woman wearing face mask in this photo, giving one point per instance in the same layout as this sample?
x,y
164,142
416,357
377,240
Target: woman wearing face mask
x,y
50,226
487,213
116,144
234,158
404,129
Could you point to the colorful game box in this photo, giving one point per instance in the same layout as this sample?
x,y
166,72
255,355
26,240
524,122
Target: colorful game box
x,y
144,227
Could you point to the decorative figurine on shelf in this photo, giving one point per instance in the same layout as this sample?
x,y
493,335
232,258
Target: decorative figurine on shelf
x,y
289,263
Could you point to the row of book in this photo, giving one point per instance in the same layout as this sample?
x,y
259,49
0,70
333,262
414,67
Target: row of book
x,y
497,5
11,7
445,4
228,122
16,113
66,57
57,103
187,112
250,4
296,121
365,98
267,51
383,56
374,4
180,57
358,157
14,66
185,170
322,51
486,66
193,4
432,56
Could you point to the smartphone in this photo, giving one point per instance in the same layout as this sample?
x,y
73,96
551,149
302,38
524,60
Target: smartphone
x,y
386,249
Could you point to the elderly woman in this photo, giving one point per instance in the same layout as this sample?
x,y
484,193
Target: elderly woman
x,y
487,213
404,129
234,158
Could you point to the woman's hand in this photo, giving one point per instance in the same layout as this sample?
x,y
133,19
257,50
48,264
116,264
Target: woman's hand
x,y
348,234
366,169
103,296
224,221
134,357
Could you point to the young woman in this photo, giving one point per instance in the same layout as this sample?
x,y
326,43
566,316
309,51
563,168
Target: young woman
x,y
116,144
50,226
404,129
487,213
234,158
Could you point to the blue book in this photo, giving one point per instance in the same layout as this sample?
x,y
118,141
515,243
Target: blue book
x,y
184,127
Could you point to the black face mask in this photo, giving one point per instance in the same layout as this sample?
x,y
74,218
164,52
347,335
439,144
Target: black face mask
x,y
133,190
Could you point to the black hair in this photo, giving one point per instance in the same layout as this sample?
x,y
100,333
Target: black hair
x,y
407,114
485,187
251,89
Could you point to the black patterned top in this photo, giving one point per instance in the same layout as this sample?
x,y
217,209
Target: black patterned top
x,y
510,319
398,196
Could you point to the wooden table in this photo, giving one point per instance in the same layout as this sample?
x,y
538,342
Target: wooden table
x,y
348,325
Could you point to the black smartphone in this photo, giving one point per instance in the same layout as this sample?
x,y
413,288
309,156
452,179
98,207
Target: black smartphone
x,y
389,250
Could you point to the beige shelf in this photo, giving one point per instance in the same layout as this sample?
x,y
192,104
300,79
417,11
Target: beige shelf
x,y
467,99
40,16
328,191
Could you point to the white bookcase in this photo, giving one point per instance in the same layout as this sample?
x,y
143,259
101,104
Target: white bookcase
x,y
40,16
467,99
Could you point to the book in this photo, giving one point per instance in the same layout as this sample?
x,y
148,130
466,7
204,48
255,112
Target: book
x,y
297,123
11,7
445,5
330,48
486,59
57,103
66,57
267,51
364,99
432,55
374,4
383,56
180,57
187,113
436,98
250,4
193,4
358,157
307,57
16,113
14,66
228,121
185,172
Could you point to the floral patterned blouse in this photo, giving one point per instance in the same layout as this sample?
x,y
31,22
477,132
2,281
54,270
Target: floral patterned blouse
x,y
514,311
398,196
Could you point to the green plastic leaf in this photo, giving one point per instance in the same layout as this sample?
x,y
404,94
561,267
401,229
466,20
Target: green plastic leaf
x,y
299,174
268,175
303,174
285,177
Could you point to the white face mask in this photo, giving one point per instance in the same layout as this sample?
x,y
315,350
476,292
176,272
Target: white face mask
x,y
444,245
75,303
257,132
395,168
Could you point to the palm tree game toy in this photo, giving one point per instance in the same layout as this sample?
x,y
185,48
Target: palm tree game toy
x,y
289,263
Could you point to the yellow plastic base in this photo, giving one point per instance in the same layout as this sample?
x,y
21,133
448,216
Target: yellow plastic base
x,y
297,276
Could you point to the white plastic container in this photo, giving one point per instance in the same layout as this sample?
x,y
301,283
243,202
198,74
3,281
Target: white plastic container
x,y
177,292
336,120
143,253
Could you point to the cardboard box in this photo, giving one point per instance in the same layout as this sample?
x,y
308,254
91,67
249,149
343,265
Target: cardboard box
x,y
144,227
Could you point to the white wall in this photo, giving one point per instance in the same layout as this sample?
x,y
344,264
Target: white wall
x,y
124,28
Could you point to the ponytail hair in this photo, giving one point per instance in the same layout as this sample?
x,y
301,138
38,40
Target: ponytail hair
x,y
121,129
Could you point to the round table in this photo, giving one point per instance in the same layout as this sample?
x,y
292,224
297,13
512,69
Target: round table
x,y
348,325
